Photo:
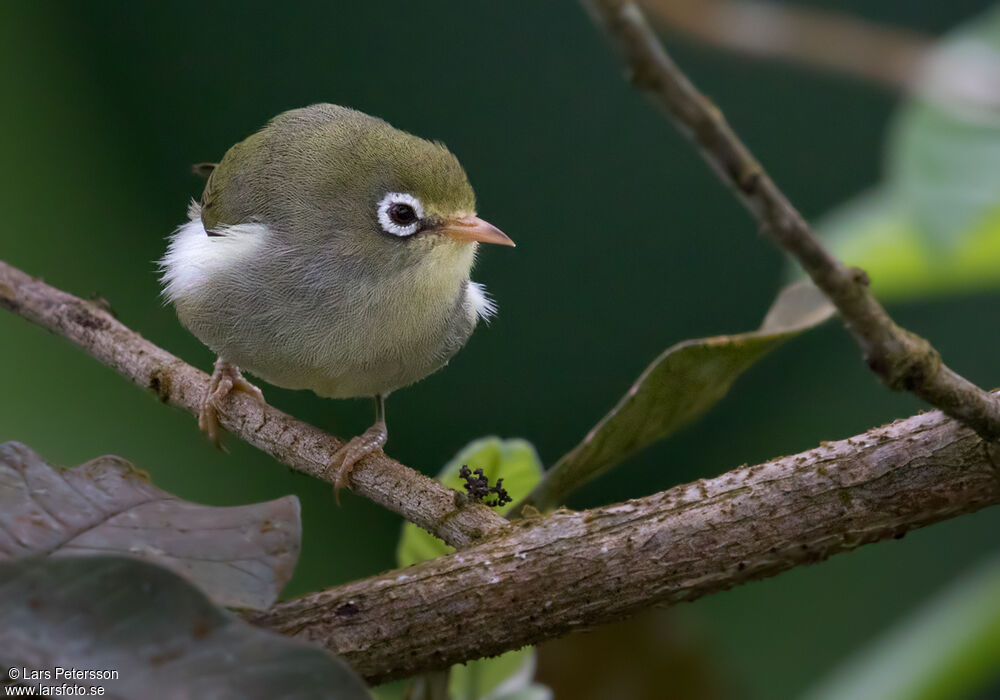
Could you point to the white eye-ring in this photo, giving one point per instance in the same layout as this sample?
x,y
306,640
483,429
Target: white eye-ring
x,y
400,214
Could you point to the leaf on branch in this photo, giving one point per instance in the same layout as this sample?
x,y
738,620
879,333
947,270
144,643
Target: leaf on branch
x,y
680,385
509,676
516,463
933,225
239,556
162,636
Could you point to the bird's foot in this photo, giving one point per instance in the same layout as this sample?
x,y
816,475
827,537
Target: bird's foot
x,y
360,446
226,378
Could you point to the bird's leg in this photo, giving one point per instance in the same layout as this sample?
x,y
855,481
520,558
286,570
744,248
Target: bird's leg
x,y
225,379
371,440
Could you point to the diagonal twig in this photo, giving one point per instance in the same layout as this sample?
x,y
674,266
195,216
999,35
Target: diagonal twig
x,y
421,500
903,360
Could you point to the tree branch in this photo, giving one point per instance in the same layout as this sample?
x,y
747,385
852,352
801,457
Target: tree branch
x,y
419,499
902,359
887,55
567,571
542,577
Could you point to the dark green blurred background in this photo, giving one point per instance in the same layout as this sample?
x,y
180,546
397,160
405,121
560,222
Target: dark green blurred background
x,y
626,244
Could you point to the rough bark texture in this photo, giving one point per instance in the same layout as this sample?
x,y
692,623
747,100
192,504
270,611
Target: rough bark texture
x,y
903,360
570,570
417,498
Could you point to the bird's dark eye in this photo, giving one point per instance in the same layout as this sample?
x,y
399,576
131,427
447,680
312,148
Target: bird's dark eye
x,y
402,214
399,214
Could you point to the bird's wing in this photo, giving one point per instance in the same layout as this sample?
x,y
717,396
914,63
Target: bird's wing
x,y
230,197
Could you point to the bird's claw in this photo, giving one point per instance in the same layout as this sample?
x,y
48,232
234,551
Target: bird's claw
x,y
226,378
360,446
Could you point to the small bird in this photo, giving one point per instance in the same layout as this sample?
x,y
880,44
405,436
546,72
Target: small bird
x,y
331,252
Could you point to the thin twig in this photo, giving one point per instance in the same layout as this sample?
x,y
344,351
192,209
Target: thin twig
x,y
417,498
902,359
569,571
889,56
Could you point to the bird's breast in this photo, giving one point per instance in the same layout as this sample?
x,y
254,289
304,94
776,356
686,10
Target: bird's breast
x,y
288,320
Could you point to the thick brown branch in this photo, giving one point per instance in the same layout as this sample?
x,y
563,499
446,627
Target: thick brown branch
x,y
567,571
887,55
417,498
903,360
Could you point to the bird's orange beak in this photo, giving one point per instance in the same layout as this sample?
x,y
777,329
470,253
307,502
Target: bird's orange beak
x,y
472,228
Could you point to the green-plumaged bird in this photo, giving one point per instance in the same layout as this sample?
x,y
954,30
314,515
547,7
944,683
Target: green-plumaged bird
x,y
331,252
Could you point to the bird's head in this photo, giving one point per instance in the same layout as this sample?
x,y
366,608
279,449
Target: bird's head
x,y
339,181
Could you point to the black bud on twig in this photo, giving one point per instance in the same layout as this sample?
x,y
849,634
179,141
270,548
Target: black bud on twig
x,y
478,487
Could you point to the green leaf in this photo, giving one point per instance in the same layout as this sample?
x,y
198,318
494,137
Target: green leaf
x,y
514,460
872,233
505,677
680,385
943,155
933,225
947,650
160,634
